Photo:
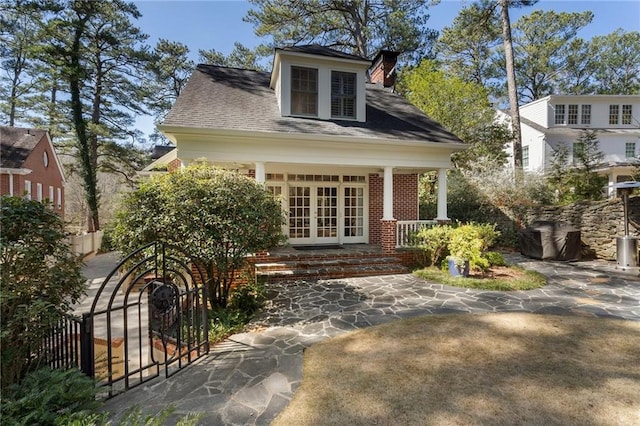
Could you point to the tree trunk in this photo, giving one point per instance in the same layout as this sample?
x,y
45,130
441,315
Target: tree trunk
x,y
88,172
512,87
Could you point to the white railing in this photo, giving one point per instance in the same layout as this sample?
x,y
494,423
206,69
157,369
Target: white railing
x,y
405,228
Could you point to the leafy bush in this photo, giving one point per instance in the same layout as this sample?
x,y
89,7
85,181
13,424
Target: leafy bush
x,y
470,241
46,395
132,417
39,281
494,258
245,301
247,298
466,245
433,243
464,242
217,216
107,244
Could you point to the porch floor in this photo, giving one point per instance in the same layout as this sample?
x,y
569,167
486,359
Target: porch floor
x,y
348,260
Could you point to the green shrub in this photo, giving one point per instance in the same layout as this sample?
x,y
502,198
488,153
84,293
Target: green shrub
x,y
433,243
46,395
466,246
107,244
132,417
470,241
247,298
494,258
244,302
217,216
40,280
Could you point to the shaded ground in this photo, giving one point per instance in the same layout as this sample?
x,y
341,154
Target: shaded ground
x,y
250,378
510,369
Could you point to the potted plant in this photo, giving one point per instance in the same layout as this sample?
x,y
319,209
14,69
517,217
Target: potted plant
x,y
465,245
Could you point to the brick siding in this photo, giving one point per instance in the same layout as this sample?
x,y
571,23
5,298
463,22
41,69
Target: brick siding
x,y
174,165
405,202
47,176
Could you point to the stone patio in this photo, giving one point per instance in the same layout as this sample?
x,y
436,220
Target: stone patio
x,y
250,378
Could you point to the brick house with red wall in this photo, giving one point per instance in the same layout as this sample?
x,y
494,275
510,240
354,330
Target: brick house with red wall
x,y
29,166
326,133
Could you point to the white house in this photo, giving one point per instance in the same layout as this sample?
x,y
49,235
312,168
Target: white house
x,y
556,120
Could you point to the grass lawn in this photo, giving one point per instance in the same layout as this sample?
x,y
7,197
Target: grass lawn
x,y
498,369
498,278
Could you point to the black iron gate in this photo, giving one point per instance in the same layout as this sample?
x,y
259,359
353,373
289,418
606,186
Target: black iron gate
x,y
148,317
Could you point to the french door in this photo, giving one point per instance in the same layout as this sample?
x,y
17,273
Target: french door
x,y
313,214
325,213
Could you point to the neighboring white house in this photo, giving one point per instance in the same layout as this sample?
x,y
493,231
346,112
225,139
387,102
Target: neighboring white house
x,y
556,120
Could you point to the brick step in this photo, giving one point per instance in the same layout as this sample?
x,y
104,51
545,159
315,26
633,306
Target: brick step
x,y
287,257
315,263
328,269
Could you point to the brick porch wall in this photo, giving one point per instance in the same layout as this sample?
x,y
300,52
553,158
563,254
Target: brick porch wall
x,y
405,202
174,165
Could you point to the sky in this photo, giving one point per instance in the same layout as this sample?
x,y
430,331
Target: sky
x,y
216,24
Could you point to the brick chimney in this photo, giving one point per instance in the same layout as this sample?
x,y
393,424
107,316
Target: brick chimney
x,y
383,68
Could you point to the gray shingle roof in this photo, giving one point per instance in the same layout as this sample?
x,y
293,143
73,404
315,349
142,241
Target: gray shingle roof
x,y
237,99
16,143
316,49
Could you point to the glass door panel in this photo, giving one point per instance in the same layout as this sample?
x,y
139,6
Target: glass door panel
x,y
354,210
300,212
327,213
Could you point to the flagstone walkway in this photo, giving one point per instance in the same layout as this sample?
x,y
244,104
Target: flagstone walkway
x,y
250,378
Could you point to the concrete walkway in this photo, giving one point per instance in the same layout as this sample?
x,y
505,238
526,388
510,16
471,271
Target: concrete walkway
x,y
251,377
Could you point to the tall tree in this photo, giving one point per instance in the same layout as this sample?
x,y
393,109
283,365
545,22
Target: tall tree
x,y
20,25
467,47
460,106
618,70
512,87
240,57
359,27
580,180
102,53
167,74
541,42
577,76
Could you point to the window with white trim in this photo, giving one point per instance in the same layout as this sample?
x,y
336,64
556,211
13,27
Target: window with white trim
x,y
59,198
572,116
585,117
304,91
627,113
559,116
39,191
630,150
343,94
51,195
27,189
614,114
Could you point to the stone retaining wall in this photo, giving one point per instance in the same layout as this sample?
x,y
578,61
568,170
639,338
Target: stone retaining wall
x,y
599,222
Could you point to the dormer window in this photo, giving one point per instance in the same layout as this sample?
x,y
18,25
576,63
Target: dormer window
x,y
304,91
343,94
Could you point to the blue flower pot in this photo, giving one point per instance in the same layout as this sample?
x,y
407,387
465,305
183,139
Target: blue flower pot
x,y
458,270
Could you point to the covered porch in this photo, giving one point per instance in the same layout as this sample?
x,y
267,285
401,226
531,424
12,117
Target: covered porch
x,y
378,206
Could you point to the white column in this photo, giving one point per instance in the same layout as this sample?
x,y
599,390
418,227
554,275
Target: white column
x,y
387,211
260,173
11,184
442,195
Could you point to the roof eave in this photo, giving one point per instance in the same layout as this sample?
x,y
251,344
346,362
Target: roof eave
x,y
169,131
15,171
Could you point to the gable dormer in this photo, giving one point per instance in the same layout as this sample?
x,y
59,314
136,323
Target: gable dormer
x,y
318,82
